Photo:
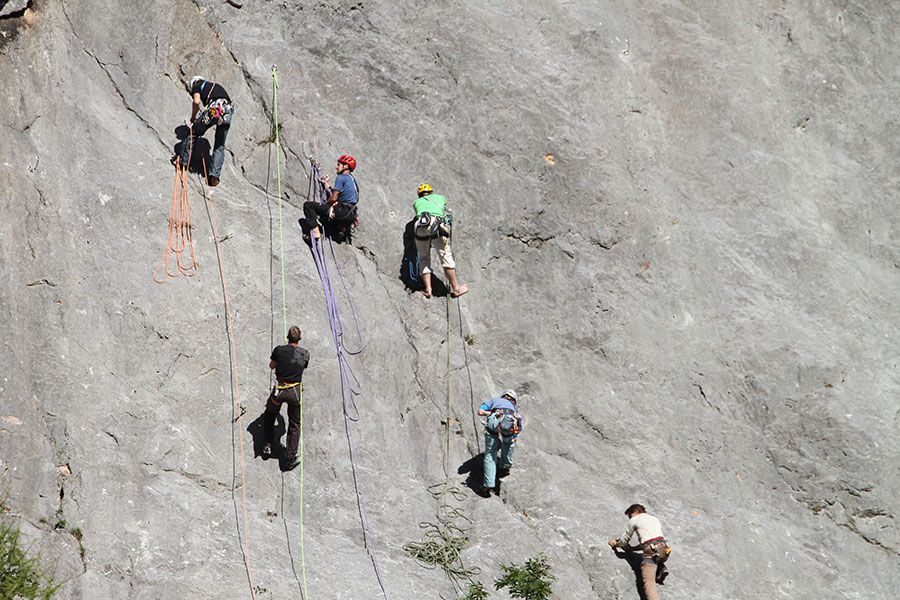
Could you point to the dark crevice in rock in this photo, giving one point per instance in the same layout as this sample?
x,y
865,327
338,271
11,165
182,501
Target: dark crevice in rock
x,y
12,12
705,399
850,525
104,67
42,281
204,482
532,241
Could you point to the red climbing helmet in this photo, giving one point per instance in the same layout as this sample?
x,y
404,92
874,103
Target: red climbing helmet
x,y
346,159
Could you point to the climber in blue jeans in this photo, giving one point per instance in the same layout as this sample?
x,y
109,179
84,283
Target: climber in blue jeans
x,y
210,107
501,430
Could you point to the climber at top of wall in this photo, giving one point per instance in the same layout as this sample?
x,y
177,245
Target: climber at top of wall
x,y
338,213
433,230
651,544
211,106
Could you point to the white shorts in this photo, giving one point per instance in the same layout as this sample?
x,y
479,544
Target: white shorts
x,y
442,245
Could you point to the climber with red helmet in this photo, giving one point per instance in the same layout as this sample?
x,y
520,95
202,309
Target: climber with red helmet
x,y
339,209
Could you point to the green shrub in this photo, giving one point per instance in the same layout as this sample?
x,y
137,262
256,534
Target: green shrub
x,y
529,582
476,592
21,575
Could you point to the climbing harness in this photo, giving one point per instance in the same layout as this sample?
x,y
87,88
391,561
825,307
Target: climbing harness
x,y
503,422
350,384
237,414
429,227
216,112
288,386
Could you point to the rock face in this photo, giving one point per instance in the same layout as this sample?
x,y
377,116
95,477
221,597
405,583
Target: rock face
x,y
679,225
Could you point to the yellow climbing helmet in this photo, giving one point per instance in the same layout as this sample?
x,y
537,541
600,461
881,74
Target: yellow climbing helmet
x,y
424,188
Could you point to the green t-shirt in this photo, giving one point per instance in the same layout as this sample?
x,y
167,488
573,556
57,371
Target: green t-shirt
x,y
432,204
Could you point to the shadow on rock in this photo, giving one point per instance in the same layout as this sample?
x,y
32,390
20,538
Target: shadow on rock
x,y
474,467
257,430
409,265
199,155
634,561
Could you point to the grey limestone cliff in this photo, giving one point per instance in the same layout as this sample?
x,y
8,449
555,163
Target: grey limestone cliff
x,y
678,220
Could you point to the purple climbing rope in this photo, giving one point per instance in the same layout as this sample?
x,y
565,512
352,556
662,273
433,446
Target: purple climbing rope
x,y
350,383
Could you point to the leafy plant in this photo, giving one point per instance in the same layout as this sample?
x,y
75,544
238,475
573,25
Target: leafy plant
x,y
476,592
532,581
21,575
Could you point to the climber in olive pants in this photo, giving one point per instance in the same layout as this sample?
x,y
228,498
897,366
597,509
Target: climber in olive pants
x,y
651,544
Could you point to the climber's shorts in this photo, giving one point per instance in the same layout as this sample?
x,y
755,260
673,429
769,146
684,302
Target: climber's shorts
x,y
442,245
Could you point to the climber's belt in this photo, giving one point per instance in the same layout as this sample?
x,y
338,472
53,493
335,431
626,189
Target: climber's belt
x,y
286,385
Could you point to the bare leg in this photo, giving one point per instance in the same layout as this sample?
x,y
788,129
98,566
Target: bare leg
x,y
426,281
456,288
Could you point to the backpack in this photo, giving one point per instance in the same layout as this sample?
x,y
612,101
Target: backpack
x,y
429,227
503,422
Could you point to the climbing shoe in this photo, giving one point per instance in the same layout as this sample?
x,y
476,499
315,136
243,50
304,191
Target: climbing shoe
x,y
267,451
291,463
502,473
485,492
212,180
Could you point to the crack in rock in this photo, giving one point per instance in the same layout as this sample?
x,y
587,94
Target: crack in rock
x,y
103,66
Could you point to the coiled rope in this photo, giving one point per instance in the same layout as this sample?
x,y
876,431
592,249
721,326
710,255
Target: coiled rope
x,y
180,229
447,536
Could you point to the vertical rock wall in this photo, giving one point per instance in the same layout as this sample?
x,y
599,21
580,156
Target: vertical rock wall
x,y
677,220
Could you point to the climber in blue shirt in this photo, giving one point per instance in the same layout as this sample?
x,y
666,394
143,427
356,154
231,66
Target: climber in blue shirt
x,y
339,208
501,430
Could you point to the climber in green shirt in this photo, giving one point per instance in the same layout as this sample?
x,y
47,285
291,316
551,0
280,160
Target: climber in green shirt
x,y
432,230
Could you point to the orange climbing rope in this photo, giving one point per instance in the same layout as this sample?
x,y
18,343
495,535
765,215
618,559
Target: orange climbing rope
x,y
180,235
237,408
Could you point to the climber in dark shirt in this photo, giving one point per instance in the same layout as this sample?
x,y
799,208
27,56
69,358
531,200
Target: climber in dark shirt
x,y
289,361
211,106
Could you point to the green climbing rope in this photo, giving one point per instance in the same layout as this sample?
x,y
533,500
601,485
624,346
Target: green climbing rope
x,y
276,127
277,134
447,536
302,548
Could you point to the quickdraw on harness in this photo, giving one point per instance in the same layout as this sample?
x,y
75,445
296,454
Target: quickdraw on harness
x,y
503,422
214,112
658,549
429,226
